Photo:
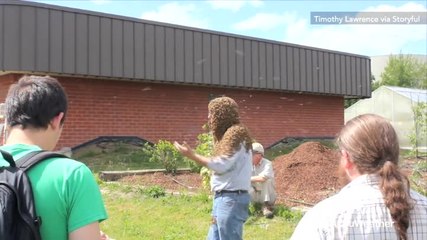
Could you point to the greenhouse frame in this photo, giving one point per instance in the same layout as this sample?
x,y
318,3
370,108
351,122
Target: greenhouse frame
x,y
397,105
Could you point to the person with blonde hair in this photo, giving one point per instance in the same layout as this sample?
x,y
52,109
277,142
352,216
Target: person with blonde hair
x,y
231,165
377,202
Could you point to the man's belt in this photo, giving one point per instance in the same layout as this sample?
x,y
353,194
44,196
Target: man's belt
x,y
231,191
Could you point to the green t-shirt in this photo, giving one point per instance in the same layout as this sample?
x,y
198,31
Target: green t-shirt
x,y
66,194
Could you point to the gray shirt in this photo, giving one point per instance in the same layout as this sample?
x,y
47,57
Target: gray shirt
x,y
232,173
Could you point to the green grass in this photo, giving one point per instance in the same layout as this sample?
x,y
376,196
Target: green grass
x,y
133,214
418,183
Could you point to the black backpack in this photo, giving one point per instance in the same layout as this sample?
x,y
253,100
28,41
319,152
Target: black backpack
x,y
18,218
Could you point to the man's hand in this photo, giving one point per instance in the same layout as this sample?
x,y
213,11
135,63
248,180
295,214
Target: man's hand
x,y
255,179
105,236
184,149
188,152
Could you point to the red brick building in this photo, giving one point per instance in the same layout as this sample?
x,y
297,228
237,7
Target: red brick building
x,y
129,77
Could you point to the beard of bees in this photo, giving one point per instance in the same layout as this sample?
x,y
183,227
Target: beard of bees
x,y
226,128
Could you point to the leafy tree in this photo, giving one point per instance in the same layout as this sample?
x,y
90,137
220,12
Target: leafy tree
x,y
351,101
403,71
419,133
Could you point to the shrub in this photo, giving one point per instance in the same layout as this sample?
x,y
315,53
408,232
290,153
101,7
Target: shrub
x,y
287,213
164,153
255,209
206,177
204,148
419,131
154,191
417,181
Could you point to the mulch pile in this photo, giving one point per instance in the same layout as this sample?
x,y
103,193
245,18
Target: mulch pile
x,y
306,175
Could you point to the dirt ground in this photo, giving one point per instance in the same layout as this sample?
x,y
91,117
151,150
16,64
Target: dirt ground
x,y
303,177
181,182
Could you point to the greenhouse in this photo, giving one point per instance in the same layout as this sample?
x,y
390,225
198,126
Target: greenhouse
x,y
398,105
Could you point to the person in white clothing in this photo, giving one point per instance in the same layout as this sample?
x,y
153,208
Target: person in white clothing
x,y
377,202
263,190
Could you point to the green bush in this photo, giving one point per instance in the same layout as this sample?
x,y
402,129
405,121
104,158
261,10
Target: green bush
x,y
154,191
287,213
419,131
206,177
204,148
255,209
417,181
164,153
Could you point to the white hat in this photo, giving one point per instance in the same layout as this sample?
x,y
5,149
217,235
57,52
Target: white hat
x,y
257,147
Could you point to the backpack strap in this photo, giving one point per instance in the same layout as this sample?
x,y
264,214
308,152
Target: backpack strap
x,y
8,157
32,158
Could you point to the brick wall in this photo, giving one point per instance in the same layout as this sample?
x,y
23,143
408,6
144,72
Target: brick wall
x,y
5,82
161,111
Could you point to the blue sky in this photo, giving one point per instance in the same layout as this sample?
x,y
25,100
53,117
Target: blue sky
x,y
285,21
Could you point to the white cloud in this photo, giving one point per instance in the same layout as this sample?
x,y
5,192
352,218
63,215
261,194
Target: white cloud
x,y
176,14
408,7
360,39
261,21
256,3
233,5
100,2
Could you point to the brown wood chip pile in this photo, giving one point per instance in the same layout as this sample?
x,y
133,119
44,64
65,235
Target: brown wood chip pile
x,y
307,174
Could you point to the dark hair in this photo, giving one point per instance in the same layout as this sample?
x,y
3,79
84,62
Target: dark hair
x,y
34,101
373,146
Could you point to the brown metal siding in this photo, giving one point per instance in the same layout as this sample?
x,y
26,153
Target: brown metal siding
x,y
128,50
188,56
55,45
48,39
198,57
139,50
94,46
215,60
69,43
11,35
159,49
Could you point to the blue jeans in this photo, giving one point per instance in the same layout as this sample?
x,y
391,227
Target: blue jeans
x,y
229,213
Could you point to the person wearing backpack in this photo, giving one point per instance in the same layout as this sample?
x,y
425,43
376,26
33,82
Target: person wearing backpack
x,y
66,195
